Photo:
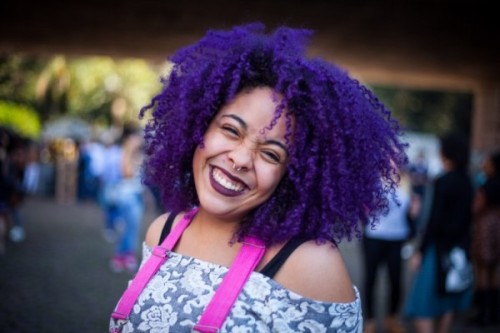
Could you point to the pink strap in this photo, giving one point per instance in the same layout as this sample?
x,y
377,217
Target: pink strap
x,y
158,257
221,303
217,310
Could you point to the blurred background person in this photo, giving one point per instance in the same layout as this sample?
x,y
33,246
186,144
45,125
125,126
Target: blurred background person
x,y
5,187
419,174
129,201
382,246
486,243
418,171
84,190
31,178
449,225
110,174
92,162
15,169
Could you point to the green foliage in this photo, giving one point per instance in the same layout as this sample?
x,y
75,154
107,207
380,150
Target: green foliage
x,y
18,76
427,111
21,118
100,90
52,89
105,90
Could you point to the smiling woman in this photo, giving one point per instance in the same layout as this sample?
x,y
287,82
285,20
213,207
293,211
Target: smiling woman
x,y
265,160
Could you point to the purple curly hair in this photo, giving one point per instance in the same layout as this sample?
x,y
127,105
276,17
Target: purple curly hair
x,y
345,150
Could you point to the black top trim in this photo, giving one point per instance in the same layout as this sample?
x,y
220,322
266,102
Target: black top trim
x,y
279,259
167,227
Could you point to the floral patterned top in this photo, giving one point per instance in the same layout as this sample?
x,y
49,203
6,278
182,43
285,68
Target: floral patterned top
x,y
176,296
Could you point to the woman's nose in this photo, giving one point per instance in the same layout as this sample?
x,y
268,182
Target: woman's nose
x,y
241,158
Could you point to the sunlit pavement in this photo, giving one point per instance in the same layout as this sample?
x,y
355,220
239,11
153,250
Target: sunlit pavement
x,y
58,279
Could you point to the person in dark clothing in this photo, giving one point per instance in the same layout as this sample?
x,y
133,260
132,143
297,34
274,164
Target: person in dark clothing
x,y
12,165
486,242
382,246
449,225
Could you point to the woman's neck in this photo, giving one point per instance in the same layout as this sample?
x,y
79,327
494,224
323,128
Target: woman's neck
x,y
211,226
210,239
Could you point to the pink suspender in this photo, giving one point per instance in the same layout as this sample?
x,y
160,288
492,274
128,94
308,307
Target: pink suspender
x,y
217,310
158,257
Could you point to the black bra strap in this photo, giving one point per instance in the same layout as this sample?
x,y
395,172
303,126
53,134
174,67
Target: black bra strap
x,y
167,227
279,259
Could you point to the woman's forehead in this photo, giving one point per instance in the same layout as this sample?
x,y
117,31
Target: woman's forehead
x,y
258,105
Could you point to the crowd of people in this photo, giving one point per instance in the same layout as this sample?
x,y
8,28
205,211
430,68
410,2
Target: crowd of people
x,y
383,247
486,242
106,172
429,304
462,215
110,175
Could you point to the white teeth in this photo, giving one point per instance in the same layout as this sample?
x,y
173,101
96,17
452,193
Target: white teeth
x,y
225,182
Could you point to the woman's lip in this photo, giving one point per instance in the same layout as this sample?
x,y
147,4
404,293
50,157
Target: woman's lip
x,y
221,189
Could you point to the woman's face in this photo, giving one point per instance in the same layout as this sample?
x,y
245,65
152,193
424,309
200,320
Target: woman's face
x,y
240,164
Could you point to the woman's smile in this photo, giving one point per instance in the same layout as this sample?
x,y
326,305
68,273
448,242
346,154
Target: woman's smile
x,y
226,184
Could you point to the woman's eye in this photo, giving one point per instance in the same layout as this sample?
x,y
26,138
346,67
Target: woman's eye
x,y
272,156
230,130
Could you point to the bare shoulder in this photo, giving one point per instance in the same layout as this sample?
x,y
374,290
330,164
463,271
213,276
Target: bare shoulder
x,y
317,271
154,230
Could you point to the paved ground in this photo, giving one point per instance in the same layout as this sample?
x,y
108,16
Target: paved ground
x,y
58,279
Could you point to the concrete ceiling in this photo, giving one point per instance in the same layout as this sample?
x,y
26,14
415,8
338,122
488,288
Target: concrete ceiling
x,y
453,40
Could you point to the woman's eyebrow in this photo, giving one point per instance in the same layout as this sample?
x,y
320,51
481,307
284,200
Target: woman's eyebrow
x,y
245,126
238,119
277,143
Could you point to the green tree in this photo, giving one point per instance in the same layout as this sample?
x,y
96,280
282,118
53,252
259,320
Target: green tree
x,y
110,91
101,90
18,74
21,118
428,111
52,89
